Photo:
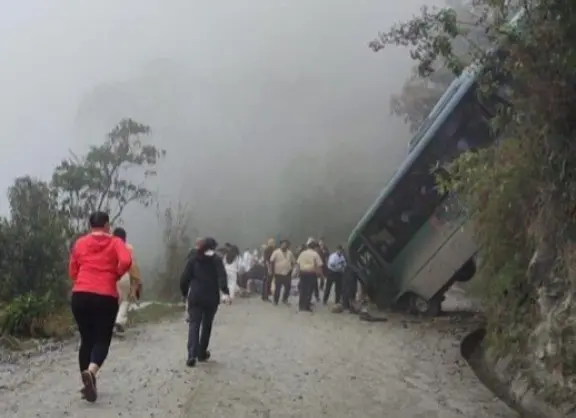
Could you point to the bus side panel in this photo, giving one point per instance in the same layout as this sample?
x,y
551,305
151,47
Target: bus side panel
x,y
438,229
419,251
442,266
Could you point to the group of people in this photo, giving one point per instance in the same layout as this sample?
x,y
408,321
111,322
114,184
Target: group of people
x,y
106,280
272,271
213,275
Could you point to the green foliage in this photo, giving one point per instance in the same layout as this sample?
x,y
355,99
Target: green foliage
x,y
35,238
520,193
110,176
25,314
464,25
419,95
32,243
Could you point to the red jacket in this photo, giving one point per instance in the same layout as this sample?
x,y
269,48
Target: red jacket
x,y
97,261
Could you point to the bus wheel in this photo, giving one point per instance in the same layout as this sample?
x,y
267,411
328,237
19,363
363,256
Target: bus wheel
x,y
466,272
423,307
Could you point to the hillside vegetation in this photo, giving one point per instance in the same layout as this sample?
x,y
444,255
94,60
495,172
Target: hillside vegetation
x,y
521,191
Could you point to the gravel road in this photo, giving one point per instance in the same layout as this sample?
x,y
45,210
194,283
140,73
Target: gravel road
x,y
267,362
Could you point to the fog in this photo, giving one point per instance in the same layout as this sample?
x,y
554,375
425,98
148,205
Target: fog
x,y
256,102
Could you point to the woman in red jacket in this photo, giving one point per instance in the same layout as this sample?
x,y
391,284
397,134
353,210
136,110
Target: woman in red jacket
x,y
97,261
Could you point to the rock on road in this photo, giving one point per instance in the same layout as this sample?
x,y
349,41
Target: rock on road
x,y
267,362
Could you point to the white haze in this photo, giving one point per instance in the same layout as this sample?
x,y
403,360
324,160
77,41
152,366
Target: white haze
x,y
243,95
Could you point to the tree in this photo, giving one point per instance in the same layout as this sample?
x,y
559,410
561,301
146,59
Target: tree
x,y
521,191
33,243
419,95
421,92
110,176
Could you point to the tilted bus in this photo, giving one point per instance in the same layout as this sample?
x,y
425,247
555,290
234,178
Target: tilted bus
x,y
415,242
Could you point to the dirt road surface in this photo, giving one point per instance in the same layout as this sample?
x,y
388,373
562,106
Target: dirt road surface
x,y
267,362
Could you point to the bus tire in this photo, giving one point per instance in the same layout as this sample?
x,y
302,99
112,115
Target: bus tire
x,y
422,307
466,272
404,303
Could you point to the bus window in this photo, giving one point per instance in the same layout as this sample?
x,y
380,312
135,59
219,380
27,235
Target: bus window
x,y
467,129
417,198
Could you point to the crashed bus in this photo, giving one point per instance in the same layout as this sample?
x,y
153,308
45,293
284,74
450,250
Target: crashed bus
x,y
415,241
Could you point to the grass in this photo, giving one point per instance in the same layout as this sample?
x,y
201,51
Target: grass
x,y
59,325
155,312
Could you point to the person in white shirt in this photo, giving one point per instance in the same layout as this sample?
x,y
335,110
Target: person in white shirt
x,y
247,261
336,268
233,268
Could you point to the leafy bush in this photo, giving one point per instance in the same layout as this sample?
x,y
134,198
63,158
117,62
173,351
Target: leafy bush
x,y
44,219
521,193
25,315
33,244
33,252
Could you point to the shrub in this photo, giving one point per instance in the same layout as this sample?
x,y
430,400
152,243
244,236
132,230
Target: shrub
x,y
521,193
33,255
31,316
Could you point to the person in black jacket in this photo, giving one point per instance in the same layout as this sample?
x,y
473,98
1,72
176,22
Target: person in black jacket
x,y
202,281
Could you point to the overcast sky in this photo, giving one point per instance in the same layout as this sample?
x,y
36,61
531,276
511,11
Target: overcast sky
x,y
231,88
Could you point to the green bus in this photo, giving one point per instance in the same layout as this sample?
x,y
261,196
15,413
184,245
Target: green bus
x,y
415,242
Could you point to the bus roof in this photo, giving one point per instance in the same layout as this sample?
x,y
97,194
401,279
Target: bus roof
x,y
442,102
449,100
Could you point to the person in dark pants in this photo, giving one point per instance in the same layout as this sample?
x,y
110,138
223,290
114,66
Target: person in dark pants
x,y
316,290
282,262
324,254
349,289
270,247
97,261
336,267
310,266
201,283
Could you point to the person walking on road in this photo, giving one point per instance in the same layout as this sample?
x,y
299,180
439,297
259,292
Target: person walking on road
x,y
310,267
282,263
267,283
324,253
97,261
349,289
193,252
201,283
233,268
129,285
335,269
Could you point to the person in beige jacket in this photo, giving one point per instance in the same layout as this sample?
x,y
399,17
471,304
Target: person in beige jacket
x,y
129,286
282,263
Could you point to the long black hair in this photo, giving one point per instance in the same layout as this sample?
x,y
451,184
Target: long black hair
x,y
231,254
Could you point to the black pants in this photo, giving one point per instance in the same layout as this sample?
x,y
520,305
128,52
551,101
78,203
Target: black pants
x,y
316,289
266,286
308,282
322,279
349,289
282,282
199,329
335,279
95,316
